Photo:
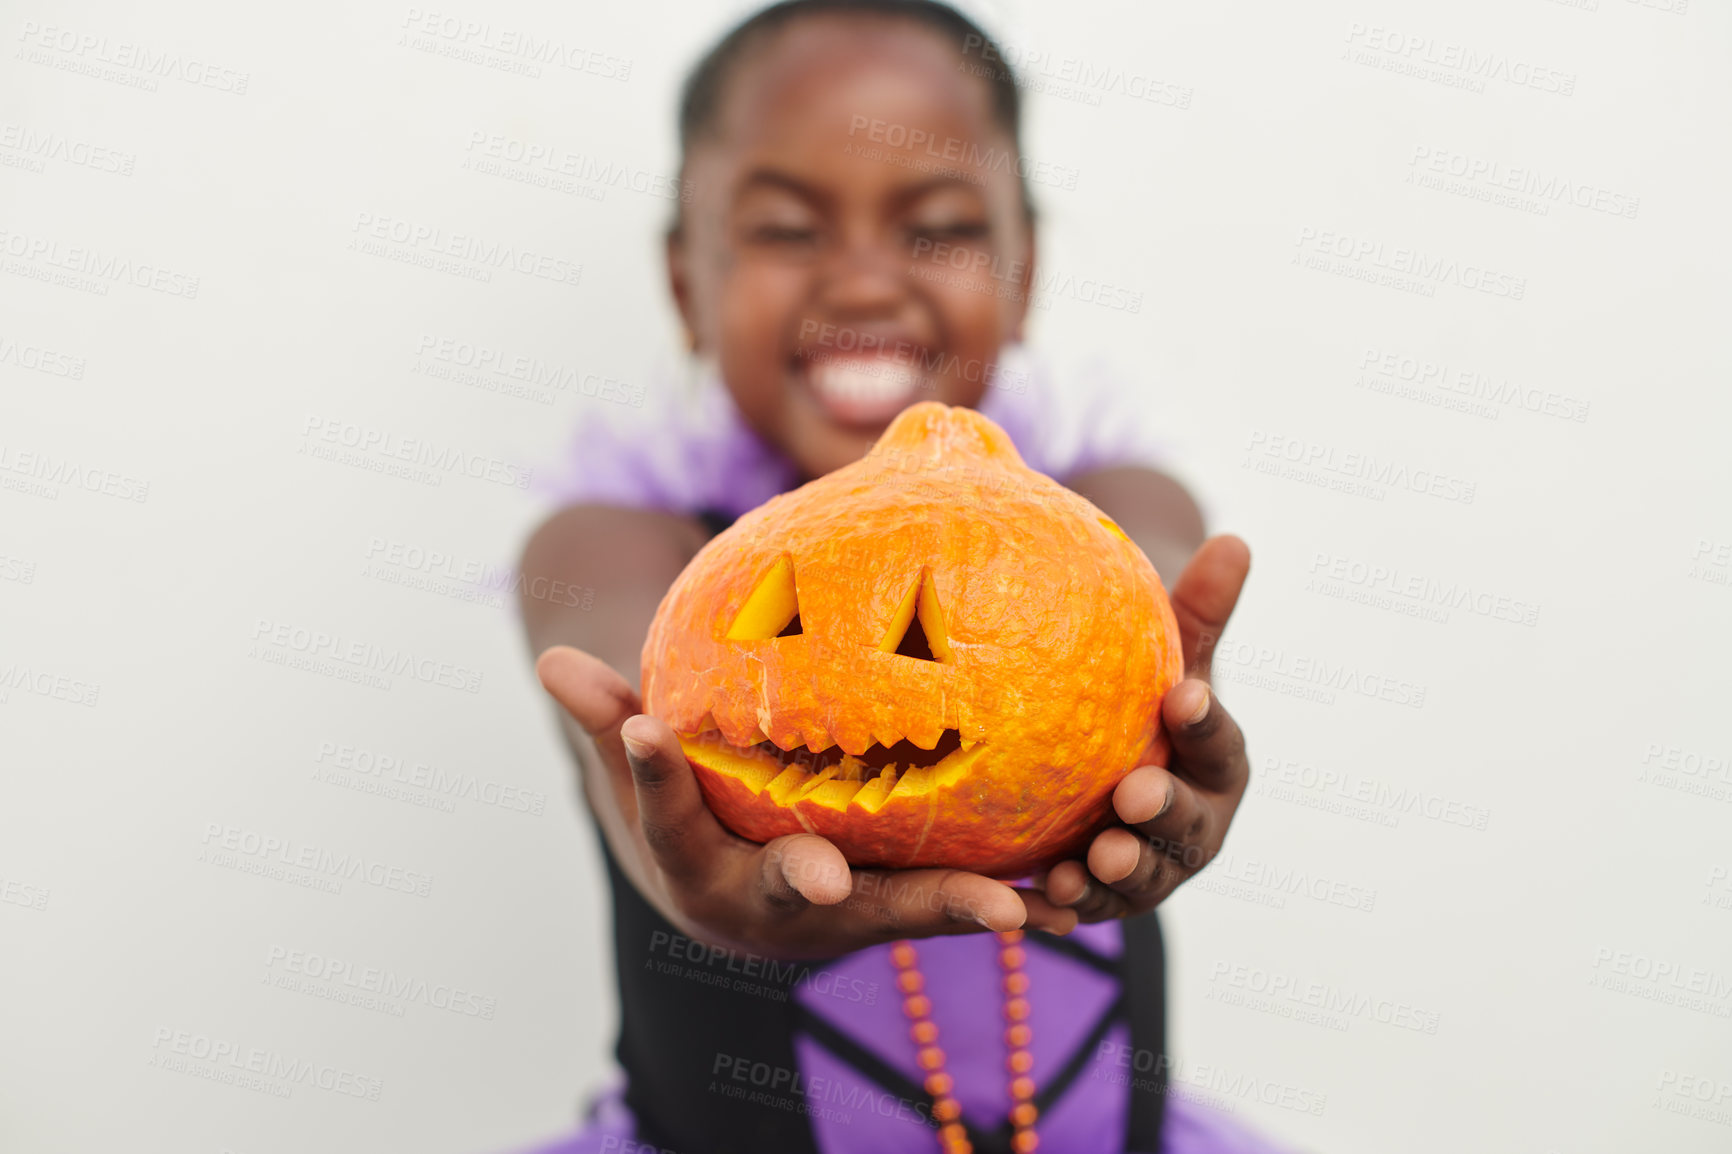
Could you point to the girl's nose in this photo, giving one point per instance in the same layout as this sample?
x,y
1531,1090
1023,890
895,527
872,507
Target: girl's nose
x,y
864,275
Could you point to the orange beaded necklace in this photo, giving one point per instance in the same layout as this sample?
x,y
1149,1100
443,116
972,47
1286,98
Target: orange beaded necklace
x,y
1017,1036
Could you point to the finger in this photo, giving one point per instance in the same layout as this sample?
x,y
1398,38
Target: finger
x,y
682,834
1072,886
1177,828
1204,597
1166,810
592,691
1044,915
919,903
804,869
1142,872
1152,801
1208,745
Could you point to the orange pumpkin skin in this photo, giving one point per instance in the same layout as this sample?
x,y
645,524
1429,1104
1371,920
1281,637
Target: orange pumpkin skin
x,y
1053,637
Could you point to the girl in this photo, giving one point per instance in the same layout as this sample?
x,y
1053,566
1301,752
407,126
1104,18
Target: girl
x,y
772,999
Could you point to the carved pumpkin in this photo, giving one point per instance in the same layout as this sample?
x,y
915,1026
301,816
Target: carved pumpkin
x,y
934,656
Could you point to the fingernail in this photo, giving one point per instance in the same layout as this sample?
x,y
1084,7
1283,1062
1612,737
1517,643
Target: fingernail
x,y
1202,710
638,749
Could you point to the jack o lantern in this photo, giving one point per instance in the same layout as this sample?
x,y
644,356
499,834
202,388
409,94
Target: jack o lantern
x,y
934,656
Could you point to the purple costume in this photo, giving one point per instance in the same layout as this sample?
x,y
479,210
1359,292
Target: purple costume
x,y
846,1045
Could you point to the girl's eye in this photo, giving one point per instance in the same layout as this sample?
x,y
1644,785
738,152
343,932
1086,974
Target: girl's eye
x,y
953,232
783,234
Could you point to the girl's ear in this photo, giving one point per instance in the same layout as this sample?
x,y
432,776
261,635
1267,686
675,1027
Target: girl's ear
x,y
679,283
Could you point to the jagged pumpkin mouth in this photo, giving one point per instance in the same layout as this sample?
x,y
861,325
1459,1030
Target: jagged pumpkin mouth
x,y
832,777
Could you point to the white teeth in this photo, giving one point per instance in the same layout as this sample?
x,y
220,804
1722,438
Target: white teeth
x,y
868,381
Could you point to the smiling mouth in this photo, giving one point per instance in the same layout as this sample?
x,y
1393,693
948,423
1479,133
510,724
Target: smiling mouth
x,y
861,389
833,778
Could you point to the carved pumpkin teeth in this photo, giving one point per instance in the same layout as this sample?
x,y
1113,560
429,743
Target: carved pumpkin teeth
x,y
814,781
854,747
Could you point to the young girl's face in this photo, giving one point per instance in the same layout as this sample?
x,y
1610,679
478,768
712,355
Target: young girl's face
x,y
856,239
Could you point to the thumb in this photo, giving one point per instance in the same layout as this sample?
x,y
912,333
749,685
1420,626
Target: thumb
x,y
682,834
592,691
1204,597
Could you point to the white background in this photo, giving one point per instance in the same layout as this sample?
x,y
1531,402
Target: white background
x,y
1574,955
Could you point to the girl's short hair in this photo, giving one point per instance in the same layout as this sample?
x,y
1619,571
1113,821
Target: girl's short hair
x,y
706,85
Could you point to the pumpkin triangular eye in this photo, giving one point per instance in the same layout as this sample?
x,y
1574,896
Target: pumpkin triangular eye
x,y
772,609
1113,528
914,643
917,630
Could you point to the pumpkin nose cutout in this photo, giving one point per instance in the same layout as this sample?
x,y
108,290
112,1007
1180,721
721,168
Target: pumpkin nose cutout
x,y
917,630
772,609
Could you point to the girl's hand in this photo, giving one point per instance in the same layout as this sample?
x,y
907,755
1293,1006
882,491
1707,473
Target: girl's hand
x,y
795,897
1174,818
